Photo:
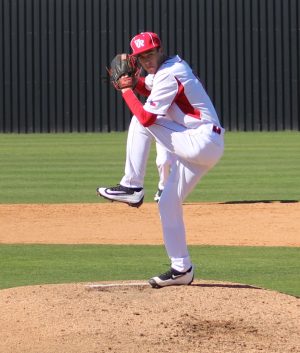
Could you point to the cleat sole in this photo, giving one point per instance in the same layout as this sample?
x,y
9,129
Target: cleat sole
x,y
153,284
137,205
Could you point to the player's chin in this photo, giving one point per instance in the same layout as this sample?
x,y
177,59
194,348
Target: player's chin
x,y
150,70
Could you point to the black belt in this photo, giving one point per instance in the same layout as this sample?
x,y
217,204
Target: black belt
x,y
216,129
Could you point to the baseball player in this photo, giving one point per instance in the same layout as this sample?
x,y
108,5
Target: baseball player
x,y
179,115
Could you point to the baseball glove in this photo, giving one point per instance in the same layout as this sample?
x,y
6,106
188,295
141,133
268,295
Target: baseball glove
x,y
124,71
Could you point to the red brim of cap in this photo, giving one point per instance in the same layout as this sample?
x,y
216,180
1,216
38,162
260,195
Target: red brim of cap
x,y
144,50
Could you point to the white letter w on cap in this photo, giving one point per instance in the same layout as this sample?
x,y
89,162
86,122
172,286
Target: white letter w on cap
x,y
139,43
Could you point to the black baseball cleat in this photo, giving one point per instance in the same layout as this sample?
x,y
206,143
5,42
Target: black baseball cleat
x,y
134,197
172,278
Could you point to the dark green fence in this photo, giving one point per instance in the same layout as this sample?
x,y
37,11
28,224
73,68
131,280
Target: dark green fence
x,y
54,53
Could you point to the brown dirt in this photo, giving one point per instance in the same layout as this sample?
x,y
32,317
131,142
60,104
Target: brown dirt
x,y
269,224
208,316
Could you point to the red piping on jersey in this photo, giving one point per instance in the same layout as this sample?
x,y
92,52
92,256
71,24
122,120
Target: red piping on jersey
x,y
184,104
140,87
136,107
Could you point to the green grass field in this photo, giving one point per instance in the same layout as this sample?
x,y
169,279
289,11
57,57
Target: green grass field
x,y
268,267
66,168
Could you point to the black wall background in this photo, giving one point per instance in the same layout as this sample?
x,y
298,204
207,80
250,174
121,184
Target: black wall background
x,y
54,55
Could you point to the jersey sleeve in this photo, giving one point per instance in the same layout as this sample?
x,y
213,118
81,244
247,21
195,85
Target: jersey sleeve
x,y
136,107
163,93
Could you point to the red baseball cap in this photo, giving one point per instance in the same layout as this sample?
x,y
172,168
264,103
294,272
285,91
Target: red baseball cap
x,y
143,42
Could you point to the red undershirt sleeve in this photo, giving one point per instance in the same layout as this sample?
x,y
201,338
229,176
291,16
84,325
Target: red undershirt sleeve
x,y
140,87
136,107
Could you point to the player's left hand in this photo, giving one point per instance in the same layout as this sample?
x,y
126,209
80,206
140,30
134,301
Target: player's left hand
x,y
124,71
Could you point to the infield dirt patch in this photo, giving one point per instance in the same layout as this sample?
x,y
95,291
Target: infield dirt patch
x,y
269,224
206,317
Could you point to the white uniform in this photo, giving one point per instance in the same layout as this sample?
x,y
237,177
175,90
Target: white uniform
x,y
164,158
188,127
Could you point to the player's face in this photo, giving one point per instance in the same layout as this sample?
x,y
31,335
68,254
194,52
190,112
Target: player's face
x,y
151,60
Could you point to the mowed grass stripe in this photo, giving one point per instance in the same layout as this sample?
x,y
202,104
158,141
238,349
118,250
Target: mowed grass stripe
x,y
275,268
64,168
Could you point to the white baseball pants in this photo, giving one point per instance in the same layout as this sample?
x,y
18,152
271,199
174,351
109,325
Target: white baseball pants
x,y
196,151
164,160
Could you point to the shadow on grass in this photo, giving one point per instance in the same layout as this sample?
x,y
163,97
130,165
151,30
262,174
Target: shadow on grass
x,y
257,201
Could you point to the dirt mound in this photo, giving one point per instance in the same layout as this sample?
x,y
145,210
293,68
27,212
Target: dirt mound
x,y
204,317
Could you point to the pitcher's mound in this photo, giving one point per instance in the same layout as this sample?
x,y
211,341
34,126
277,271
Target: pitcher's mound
x,y
123,317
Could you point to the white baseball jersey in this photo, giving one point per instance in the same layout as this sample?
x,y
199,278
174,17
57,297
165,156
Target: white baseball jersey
x,y
176,83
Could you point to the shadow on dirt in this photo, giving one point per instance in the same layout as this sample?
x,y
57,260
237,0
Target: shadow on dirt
x,y
224,285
